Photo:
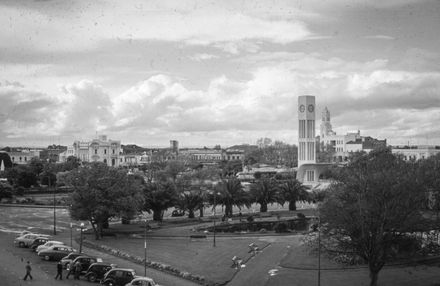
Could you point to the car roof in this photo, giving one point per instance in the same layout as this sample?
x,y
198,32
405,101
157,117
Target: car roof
x,y
123,269
83,256
54,241
144,278
101,263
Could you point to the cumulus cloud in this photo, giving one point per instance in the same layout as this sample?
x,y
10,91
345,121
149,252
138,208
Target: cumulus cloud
x,y
86,107
23,110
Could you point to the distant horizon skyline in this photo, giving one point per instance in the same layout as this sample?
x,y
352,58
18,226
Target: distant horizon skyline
x,y
218,72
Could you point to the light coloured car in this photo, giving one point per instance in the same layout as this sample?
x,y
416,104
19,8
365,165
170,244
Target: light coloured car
x,y
27,239
142,281
48,244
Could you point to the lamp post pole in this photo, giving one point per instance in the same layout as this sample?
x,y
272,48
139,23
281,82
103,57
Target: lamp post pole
x,y
71,225
145,248
54,209
319,249
81,238
214,217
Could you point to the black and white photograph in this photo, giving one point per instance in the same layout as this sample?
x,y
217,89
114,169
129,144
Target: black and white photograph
x,y
220,142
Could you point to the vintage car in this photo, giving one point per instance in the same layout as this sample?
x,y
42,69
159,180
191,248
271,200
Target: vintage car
x,y
48,244
118,277
142,281
38,241
96,271
56,252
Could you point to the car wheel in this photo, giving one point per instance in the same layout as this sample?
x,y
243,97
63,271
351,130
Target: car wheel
x,y
91,277
21,244
47,257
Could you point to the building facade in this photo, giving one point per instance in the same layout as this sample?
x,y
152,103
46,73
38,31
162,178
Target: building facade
x,y
416,152
100,149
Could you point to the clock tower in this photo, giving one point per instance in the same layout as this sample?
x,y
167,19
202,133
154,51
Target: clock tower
x,y
306,130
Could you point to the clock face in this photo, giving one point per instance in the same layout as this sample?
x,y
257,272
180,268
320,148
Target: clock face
x,y
302,108
311,108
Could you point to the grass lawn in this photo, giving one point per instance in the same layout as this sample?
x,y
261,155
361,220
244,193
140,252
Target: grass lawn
x,y
197,256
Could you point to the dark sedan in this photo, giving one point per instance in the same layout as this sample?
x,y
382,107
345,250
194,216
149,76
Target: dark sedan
x,y
38,241
97,270
56,252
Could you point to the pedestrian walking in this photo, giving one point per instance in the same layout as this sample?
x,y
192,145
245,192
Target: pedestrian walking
x,y
28,271
71,271
77,270
59,271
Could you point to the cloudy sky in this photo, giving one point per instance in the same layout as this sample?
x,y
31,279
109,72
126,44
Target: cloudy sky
x,y
216,72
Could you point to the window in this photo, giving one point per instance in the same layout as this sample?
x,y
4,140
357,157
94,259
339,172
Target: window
x,y
310,175
96,151
113,151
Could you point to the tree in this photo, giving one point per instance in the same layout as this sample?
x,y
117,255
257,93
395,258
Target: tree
x,y
190,201
428,172
292,191
21,176
231,194
6,159
264,192
5,191
158,197
173,169
101,192
375,200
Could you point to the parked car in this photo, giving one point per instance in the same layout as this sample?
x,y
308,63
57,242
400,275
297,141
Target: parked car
x,y
96,271
23,232
118,277
69,258
48,244
55,252
27,239
142,281
37,242
85,262
178,213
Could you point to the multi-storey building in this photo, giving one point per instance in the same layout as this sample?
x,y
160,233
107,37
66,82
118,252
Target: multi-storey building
x,y
23,156
343,145
416,152
100,149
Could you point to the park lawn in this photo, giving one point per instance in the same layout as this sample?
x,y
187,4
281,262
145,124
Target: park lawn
x,y
389,276
196,256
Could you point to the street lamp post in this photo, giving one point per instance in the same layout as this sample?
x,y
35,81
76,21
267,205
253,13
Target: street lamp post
x,y
71,225
145,248
319,249
81,238
214,217
54,208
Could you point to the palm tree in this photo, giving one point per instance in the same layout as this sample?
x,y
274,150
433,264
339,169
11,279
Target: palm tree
x,y
231,193
264,192
292,191
191,201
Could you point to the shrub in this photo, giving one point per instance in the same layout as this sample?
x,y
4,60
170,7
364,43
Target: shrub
x,y
250,218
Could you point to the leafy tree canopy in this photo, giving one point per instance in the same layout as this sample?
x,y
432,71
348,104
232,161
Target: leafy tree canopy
x,y
376,198
101,192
